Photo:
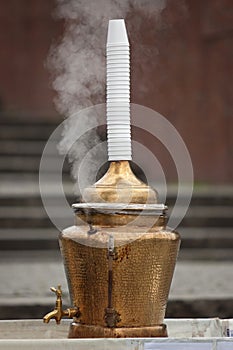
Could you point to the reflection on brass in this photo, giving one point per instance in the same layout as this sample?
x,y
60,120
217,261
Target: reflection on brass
x,y
58,312
120,185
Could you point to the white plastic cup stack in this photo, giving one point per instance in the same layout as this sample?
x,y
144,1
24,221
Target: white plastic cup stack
x,y
118,92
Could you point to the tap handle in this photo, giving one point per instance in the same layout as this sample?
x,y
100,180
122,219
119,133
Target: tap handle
x,y
57,290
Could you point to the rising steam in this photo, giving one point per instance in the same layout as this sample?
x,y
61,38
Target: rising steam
x,y
77,64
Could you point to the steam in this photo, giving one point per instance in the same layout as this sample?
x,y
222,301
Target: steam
x,y
77,64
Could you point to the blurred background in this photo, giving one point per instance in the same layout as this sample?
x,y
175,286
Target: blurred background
x,y
181,66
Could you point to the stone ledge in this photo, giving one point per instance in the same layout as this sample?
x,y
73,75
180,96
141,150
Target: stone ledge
x,y
178,328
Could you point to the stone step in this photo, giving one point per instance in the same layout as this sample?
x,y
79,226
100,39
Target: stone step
x,y
206,254
208,200
202,216
23,119
28,199
199,289
26,132
29,239
205,237
22,147
12,194
27,184
29,217
31,164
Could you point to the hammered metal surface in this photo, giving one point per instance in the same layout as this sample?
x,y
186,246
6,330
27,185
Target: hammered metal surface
x,y
142,274
87,275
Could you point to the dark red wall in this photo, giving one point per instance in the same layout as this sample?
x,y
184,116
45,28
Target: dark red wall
x,y
190,80
27,30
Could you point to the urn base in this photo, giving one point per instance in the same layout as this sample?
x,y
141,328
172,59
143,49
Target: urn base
x,y
78,330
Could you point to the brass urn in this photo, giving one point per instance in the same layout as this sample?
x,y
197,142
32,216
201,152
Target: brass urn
x,y
119,259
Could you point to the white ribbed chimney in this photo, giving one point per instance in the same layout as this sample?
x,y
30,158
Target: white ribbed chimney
x,y
118,92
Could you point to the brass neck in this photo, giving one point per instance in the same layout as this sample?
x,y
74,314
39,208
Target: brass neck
x,y
119,173
120,185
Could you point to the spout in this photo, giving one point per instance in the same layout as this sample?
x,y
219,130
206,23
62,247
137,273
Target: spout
x,y
51,314
58,312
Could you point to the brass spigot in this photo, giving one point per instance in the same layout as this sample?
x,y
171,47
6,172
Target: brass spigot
x,y
58,312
